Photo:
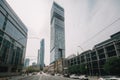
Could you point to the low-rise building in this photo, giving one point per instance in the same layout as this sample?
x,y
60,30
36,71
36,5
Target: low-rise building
x,y
95,59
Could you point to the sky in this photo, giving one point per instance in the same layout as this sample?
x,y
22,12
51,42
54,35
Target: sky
x,y
87,23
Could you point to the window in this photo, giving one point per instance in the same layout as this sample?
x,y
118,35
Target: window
x,y
5,51
101,56
101,51
102,62
95,64
2,19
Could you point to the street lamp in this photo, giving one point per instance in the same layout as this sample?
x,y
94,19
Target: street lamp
x,y
81,48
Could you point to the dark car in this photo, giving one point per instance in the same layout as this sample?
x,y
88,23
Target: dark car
x,y
66,75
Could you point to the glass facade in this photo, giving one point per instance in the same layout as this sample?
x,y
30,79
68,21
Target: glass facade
x,y
42,43
57,41
13,39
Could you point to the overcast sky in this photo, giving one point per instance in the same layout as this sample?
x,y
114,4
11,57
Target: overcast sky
x,y
83,20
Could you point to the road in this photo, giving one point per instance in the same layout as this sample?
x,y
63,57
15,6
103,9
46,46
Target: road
x,y
44,77
41,77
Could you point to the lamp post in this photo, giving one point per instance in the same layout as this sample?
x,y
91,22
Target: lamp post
x,y
81,48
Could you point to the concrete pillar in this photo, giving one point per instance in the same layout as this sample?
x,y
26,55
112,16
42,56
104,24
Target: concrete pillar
x,y
116,49
98,61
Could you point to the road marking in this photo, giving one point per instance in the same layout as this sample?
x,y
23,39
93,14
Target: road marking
x,y
40,77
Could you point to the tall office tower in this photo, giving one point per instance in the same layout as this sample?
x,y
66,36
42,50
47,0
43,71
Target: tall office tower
x,y
38,58
13,40
57,41
42,53
27,61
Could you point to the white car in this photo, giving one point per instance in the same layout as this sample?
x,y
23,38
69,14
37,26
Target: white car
x,y
73,76
109,78
57,74
83,77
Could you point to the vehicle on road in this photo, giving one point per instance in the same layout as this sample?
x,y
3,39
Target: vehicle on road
x,y
74,76
83,77
34,73
57,74
109,78
66,75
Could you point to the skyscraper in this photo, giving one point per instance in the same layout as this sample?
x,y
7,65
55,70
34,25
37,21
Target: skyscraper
x,y
57,41
27,61
38,58
41,54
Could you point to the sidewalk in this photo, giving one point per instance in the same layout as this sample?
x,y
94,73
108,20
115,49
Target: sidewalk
x,y
3,78
17,77
13,77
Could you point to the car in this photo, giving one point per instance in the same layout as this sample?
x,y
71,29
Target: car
x,y
34,73
66,75
83,77
52,74
57,74
108,78
74,76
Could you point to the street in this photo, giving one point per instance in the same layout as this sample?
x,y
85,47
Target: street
x,y
41,77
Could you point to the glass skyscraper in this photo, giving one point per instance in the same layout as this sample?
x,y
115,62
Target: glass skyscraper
x,y
27,61
57,40
41,52
13,39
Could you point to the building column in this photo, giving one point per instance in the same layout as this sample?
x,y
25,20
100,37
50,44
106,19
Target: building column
x,y
116,49
105,52
98,61
91,65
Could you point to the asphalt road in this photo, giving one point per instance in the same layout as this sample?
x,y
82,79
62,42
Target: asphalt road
x,y
42,77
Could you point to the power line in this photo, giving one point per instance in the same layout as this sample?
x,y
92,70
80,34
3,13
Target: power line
x,y
101,31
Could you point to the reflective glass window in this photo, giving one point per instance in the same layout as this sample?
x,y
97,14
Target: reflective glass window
x,y
15,33
5,51
1,33
2,19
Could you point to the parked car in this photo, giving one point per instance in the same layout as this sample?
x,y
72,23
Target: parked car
x,y
108,78
74,76
52,74
57,74
83,77
66,75
34,73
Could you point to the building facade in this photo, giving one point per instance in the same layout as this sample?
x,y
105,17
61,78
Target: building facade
x,y
13,40
27,61
34,64
57,40
38,58
95,59
42,51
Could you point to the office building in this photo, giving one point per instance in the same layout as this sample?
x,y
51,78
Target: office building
x,y
38,58
13,39
34,64
41,54
57,37
27,61
96,58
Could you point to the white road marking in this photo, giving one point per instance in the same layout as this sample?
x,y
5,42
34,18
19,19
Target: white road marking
x,y
40,77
